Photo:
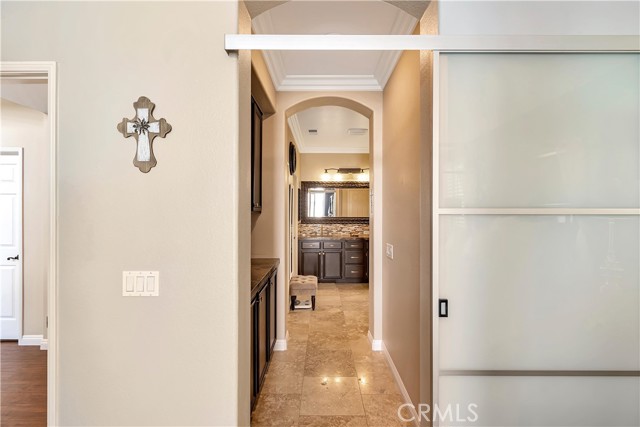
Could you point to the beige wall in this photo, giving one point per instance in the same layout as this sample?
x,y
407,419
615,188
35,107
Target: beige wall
x,y
27,128
401,222
174,359
261,84
312,165
242,203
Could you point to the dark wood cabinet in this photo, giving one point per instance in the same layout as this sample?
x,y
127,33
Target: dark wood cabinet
x,y
262,339
256,157
310,262
334,260
332,264
263,331
253,350
272,315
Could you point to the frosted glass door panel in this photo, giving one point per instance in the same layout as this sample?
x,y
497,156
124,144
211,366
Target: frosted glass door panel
x,y
542,401
539,130
540,292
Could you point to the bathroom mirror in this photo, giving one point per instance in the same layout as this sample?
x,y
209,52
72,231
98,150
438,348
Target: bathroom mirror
x,y
334,202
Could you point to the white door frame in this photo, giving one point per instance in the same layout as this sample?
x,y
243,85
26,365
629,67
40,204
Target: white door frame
x,y
39,70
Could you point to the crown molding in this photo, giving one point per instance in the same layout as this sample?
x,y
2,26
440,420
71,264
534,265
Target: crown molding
x,y
296,130
263,24
273,58
404,24
335,150
329,83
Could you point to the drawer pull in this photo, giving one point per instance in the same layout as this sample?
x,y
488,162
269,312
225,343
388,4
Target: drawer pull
x,y
353,272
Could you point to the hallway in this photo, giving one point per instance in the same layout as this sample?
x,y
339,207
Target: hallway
x,y
329,376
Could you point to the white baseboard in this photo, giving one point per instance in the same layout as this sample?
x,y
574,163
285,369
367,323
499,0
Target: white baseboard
x,y
281,345
44,345
403,390
376,345
30,340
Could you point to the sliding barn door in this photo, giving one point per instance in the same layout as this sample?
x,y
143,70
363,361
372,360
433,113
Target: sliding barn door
x,y
536,203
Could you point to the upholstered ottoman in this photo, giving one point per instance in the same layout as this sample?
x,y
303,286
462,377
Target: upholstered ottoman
x,y
301,287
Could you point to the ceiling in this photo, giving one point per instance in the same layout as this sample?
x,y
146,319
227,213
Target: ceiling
x,y
31,93
332,124
334,70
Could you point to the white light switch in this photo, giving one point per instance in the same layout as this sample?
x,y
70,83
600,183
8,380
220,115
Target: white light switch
x,y
140,283
389,251
151,284
128,283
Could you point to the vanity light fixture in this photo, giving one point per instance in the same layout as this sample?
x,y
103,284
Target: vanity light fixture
x,y
345,174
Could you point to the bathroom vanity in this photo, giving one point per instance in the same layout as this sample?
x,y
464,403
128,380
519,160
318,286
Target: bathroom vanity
x,y
334,259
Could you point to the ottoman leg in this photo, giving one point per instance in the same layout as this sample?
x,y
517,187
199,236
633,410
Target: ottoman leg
x,y
293,302
313,302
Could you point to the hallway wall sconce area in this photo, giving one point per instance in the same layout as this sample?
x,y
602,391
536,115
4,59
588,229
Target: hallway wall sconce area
x,y
345,174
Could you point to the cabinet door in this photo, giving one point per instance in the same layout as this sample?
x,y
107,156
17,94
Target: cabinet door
x,y
254,356
256,157
310,263
272,288
332,265
262,341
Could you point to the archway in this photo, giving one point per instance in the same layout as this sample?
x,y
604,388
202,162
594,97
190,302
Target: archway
x,y
370,109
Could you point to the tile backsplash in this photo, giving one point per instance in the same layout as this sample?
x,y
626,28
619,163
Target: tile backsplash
x,y
311,230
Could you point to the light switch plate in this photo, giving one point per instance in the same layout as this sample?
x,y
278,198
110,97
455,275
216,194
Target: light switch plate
x,y
389,252
140,283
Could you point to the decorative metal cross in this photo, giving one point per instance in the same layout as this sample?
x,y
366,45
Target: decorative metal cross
x,y
144,128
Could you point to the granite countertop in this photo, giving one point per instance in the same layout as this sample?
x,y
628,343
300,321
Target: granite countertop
x,y
335,237
261,269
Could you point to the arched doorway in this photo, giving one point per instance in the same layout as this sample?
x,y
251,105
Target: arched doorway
x,y
357,102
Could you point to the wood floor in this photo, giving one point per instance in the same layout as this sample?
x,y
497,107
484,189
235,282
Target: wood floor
x,y
329,377
23,376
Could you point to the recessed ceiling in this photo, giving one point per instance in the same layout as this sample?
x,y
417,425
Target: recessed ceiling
x,y
331,70
332,124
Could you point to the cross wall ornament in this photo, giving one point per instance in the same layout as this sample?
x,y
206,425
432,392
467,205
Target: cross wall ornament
x,y
144,128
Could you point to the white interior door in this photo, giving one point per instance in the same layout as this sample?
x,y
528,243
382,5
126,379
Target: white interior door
x,y
10,243
537,239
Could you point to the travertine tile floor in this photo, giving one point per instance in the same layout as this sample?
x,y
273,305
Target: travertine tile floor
x,y
329,376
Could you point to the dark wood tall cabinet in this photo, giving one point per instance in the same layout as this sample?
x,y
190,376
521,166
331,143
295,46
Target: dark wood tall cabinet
x,y
256,157
263,326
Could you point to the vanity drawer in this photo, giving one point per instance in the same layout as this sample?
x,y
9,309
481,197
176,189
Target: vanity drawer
x,y
353,257
354,244
331,245
310,245
353,271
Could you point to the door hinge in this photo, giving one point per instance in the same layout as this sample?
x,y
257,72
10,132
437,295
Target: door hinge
x,y
46,321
